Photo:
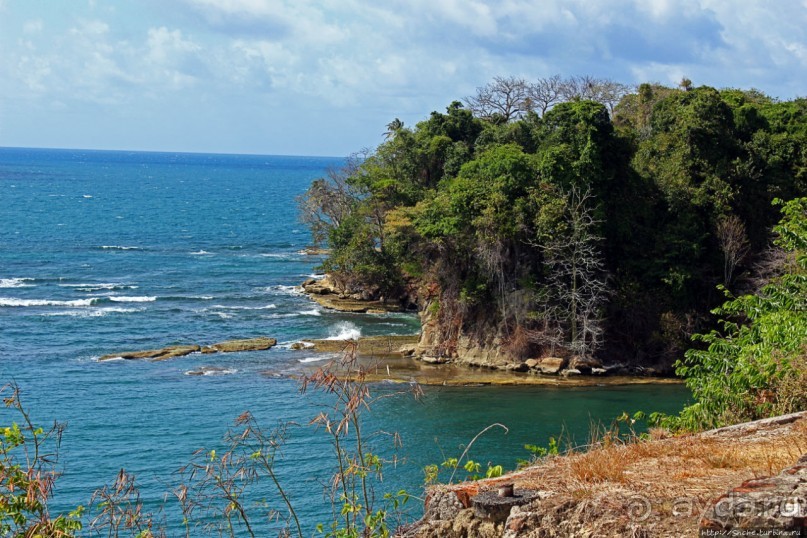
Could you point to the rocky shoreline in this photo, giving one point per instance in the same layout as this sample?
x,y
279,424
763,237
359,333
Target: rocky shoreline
x,y
473,365
743,477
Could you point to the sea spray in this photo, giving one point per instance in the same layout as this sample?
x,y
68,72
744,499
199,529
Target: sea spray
x,y
344,330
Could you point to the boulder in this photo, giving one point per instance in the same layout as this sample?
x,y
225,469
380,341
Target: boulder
x,y
521,367
584,364
434,360
570,372
551,365
532,363
249,344
777,503
598,371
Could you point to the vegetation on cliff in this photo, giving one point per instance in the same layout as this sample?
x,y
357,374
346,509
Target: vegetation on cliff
x,y
568,227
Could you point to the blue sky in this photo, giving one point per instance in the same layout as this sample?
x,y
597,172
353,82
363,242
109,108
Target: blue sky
x,y
324,77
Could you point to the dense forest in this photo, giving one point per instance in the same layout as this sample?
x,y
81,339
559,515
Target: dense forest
x,y
574,217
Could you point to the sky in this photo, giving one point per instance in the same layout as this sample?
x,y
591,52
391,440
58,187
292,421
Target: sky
x,y
304,77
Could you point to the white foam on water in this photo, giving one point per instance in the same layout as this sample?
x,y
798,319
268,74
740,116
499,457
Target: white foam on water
x,y
236,307
313,359
200,253
16,283
124,299
10,301
101,286
283,289
344,330
87,196
94,313
205,371
118,247
311,312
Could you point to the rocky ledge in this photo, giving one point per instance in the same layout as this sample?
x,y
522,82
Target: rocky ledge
x,y
329,295
170,352
674,487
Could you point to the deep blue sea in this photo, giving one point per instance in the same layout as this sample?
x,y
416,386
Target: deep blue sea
x,y
103,252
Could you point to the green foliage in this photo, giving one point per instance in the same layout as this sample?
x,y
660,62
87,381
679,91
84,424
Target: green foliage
x,y
469,206
754,366
28,459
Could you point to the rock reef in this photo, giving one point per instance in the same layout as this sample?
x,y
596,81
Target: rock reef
x,y
170,352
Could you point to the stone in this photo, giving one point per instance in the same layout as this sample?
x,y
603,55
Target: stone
x,y
598,371
551,365
773,503
584,364
532,363
494,507
249,344
522,367
434,360
169,352
570,372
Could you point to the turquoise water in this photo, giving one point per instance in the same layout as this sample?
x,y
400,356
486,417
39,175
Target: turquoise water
x,y
102,252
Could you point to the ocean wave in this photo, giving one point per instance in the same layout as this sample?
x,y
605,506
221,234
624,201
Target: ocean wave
x,y
103,286
344,331
123,299
236,307
200,253
16,282
10,301
211,370
282,289
118,247
318,358
93,313
311,312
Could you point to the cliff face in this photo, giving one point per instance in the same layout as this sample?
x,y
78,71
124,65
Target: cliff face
x,y
664,487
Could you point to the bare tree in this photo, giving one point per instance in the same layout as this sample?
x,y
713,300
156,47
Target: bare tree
x,y
577,286
589,88
504,98
544,93
733,241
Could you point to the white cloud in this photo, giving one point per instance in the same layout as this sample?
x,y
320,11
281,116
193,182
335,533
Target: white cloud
x,y
32,27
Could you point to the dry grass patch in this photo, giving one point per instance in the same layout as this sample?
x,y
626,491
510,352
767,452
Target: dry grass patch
x,y
658,487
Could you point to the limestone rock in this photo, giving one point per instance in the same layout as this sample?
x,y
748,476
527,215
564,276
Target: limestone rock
x,y
169,352
570,372
532,363
249,344
551,365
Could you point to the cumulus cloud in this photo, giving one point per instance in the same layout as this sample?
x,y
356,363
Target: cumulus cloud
x,y
385,59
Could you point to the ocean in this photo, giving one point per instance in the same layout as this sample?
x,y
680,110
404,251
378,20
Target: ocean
x,y
111,251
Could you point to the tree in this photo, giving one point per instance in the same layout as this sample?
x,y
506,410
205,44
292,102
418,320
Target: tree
x,y
503,99
733,244
577,286
329,201
545,93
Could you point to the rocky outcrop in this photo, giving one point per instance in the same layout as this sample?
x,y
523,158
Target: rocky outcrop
x,y
773,503
233,346
170,352
666,487
162,354
329,294
366,345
